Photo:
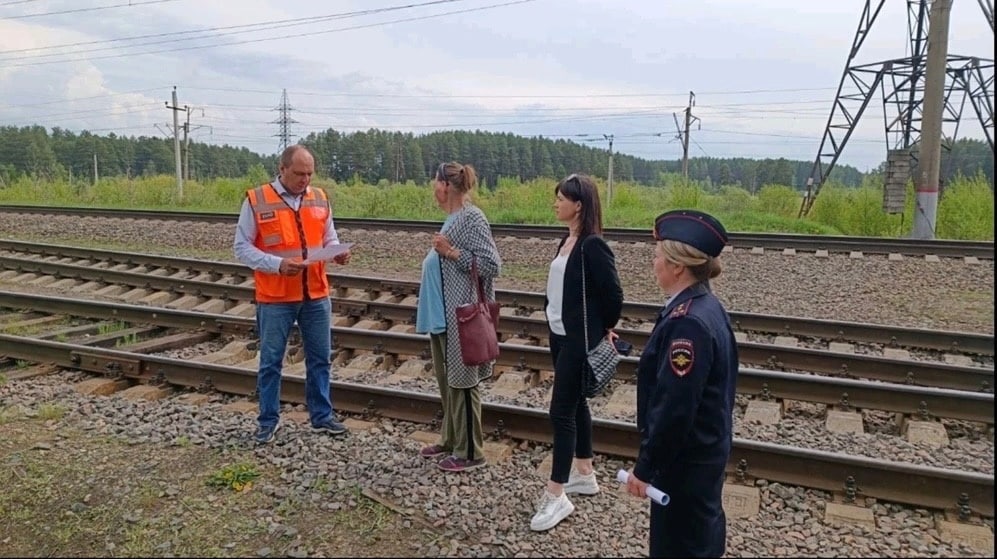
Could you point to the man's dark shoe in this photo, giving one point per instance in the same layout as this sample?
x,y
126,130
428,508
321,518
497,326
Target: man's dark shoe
x,y
266,433
330,426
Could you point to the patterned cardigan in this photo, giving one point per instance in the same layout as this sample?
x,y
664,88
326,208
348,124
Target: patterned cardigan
x,y
471,234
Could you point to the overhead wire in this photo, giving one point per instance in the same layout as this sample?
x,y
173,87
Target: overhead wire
x,y
75,99
90,9
2,4
515,95
264,39
214,32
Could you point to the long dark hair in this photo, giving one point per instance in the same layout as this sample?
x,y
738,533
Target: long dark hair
x,y
582,188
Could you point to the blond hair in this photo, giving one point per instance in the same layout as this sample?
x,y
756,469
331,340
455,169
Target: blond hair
x,y
700,265
461,177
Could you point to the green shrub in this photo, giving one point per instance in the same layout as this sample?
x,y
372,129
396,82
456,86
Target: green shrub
x,y
778,200
684,197
734,199
966,210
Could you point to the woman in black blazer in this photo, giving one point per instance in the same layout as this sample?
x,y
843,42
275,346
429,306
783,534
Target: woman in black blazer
x,y
582,251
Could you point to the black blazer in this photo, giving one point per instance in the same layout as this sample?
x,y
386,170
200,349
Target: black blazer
x,y
605,296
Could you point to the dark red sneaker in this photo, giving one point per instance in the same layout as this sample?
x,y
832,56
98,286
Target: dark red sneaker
x,y
433,451
454,464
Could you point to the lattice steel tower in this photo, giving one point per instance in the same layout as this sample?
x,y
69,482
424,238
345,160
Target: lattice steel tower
x,y
902,83
284,121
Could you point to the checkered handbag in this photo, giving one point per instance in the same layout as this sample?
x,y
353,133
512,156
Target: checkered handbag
x,y
601,361
600,367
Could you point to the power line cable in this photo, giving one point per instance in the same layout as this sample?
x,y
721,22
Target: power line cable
x,y
524,95
296,36
700,147
91,9
16,2
212,31
61,101
116,111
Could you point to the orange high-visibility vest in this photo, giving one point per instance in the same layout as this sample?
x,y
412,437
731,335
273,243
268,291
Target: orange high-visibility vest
x,y
286,233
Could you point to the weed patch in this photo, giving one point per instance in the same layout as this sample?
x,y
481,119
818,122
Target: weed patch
x,y
105,497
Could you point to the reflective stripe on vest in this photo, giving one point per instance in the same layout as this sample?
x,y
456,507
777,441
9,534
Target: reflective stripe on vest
x,y
284,232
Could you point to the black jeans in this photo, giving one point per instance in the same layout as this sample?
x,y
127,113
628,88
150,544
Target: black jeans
x,y
569,410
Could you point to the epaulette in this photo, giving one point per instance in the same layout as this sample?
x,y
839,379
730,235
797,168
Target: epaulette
x,y
681,310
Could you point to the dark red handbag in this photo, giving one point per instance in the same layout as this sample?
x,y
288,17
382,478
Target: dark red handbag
x,y
477,325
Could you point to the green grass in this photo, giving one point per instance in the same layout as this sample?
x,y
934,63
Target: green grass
x,y
50,411
965,209
237,477
92,496
127,340
108,327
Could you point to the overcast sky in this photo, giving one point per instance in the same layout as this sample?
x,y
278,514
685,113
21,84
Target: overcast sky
x,y
764,72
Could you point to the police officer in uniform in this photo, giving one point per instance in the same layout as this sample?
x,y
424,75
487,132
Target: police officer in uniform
x,y
685,392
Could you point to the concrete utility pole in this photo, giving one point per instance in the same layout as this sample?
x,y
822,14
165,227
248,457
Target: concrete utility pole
x,y
399,163
186,141
684,134
176,142
609,174
95,177
186,145
929,161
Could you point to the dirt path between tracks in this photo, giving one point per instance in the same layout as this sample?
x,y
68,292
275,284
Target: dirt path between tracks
x,y
68,492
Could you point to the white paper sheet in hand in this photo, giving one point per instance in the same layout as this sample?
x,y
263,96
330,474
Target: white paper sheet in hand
x,y
653,493
327,253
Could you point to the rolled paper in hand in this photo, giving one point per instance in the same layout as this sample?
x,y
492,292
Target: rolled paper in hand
x,y
653,493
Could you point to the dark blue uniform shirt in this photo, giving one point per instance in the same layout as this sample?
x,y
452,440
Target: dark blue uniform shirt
x,y
685,387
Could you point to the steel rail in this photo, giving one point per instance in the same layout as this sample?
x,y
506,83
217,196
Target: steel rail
x,y
778,241
902,371
924,373
906,483
912,400
835,330
816,360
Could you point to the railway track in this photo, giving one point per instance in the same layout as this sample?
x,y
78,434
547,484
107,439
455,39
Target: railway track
x,y
769,241
909,400
202,273
164,280
154,326
896,482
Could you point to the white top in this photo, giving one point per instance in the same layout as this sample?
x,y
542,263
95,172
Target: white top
x,y
555,294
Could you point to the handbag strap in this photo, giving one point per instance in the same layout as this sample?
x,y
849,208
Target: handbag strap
x,y
476,280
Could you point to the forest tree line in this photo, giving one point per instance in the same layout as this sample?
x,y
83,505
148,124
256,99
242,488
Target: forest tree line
x,y
376,155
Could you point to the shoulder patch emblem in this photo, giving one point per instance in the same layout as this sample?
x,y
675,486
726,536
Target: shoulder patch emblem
x,y
681,310
681,356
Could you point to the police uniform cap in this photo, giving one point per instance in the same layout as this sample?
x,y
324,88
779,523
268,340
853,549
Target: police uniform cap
x,y
694,228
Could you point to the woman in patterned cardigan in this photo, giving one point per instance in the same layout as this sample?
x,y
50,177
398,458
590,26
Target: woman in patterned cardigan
x,y
446,284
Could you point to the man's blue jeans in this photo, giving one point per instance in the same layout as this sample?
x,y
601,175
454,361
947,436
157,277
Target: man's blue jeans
x,y
274,322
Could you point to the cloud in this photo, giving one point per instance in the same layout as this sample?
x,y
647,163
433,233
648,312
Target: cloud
x,y
764,72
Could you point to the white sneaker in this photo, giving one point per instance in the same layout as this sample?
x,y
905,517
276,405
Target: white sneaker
x,y
551,510
582,484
